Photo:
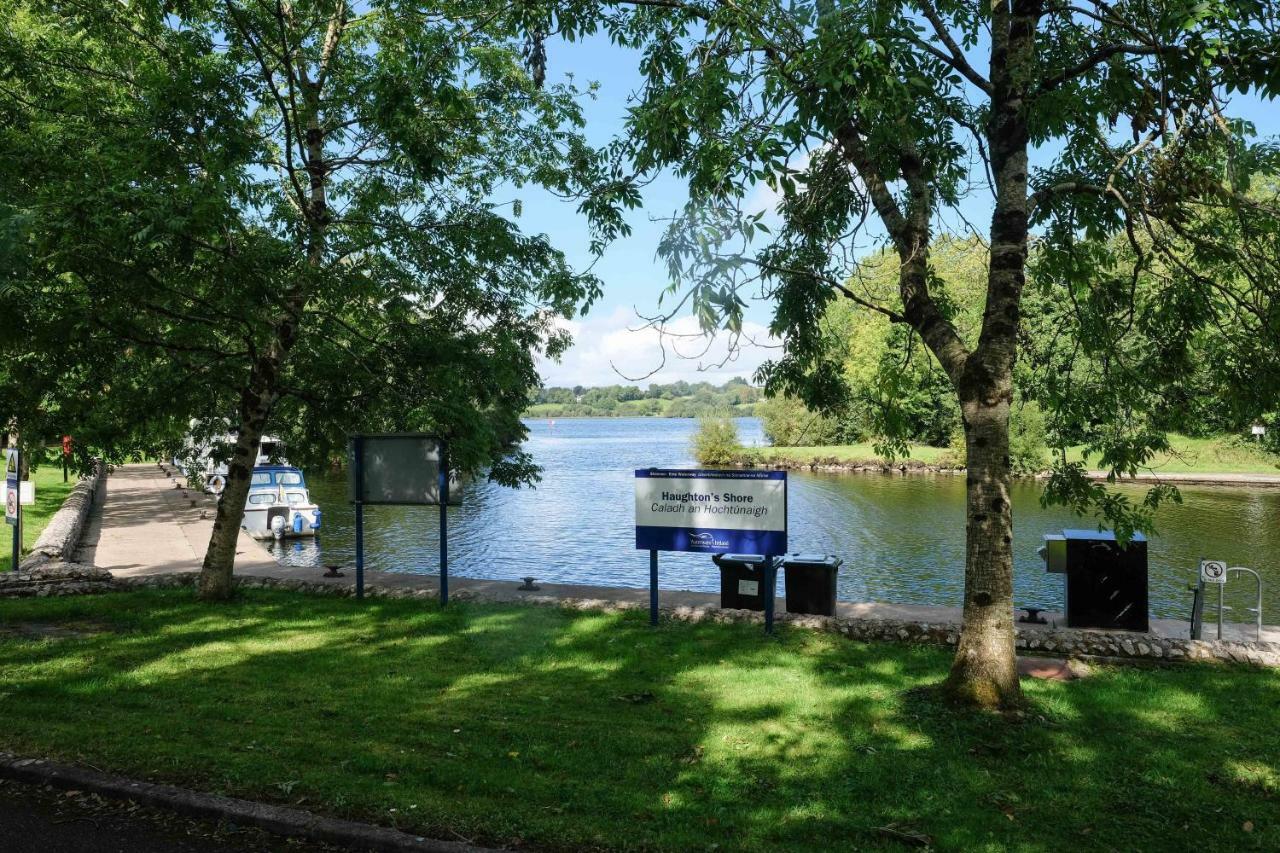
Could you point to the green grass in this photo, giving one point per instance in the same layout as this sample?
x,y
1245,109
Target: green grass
x,y
568,730
1217,455
50,493
845,454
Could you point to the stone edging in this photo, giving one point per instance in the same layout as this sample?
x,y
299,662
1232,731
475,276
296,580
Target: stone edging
x,y
1064,642
56,579
279,820
61,536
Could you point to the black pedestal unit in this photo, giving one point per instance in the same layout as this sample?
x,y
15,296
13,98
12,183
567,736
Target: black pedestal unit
x,y
1106,583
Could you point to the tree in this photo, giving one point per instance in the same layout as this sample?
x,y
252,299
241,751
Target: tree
x,y
285,211
788,423
716,442
894,115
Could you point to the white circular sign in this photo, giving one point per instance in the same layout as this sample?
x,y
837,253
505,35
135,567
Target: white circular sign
x,y
1213,571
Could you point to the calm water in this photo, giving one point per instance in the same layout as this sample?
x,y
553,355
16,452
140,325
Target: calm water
x,y
901,536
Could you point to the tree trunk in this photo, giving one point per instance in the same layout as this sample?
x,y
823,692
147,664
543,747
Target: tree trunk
x,y
984,672
215,582
263,387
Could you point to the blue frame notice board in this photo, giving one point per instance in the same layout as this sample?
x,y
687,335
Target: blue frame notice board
x,y
711,512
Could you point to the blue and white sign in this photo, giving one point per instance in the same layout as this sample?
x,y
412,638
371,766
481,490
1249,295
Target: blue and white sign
x,y
710,512
12,487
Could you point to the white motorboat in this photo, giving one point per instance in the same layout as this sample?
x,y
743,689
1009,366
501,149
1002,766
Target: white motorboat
x,y
279,505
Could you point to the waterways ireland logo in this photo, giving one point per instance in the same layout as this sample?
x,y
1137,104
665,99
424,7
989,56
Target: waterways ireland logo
x,y
706,539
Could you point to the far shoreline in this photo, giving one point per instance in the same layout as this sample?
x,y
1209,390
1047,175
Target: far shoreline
x,y
915,466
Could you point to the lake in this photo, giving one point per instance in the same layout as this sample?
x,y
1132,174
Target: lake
x,y
901,536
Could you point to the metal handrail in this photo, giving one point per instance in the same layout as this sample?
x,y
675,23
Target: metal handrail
x,y
1257,610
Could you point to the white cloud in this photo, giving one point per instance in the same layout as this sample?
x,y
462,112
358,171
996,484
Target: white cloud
x,y
765,199
613,349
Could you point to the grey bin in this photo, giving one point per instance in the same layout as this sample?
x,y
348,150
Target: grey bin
x,y
811,583
742,580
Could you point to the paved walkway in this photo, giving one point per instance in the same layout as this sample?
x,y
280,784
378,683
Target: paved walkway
x,y
147,524
1195,479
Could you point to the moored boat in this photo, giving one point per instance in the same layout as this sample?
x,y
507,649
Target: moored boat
x,y
279,505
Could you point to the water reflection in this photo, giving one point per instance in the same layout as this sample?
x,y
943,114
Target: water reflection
x,y
901,536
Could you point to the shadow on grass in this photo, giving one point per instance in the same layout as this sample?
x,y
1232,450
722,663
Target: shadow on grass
x,y
559,729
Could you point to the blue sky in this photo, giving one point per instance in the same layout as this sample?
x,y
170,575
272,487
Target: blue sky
x,y
606,343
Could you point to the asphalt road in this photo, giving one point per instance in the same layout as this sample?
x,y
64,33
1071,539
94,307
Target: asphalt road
x,y
39,820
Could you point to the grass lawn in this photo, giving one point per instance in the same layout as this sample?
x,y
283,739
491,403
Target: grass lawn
x,y
570,730
849,454
1206,456
1187,456
50,493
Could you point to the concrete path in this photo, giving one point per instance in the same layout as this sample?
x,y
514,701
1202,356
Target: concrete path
x,y
1184,479
147,524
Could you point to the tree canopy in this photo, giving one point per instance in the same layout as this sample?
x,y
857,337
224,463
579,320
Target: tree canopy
x,y
877,121
289,215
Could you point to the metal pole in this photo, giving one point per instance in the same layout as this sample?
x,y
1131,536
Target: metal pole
x,y
359,549
1221,586
444,524
770,582
18,544
653,586
17,527
357,446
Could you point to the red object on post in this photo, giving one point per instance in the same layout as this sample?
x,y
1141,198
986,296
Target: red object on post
x,y
66,445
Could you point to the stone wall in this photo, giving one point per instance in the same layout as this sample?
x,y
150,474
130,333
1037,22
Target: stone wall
x,y
61,536
1062,642
55,580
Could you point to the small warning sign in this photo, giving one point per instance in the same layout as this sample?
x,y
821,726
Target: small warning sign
x,y
1213,571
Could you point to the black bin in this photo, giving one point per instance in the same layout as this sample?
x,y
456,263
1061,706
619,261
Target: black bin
x,y
811,583
1106,584
742,580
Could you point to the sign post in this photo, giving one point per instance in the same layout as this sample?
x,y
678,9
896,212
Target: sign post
x,y
13,501
357,470
443,487
712,512
402,469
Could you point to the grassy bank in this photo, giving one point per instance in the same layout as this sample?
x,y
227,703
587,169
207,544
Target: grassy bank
x,y
1187,456
571,730
850,455
1217,455
50,493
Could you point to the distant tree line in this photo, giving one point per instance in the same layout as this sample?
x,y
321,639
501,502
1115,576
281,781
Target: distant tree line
x,y
680,399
